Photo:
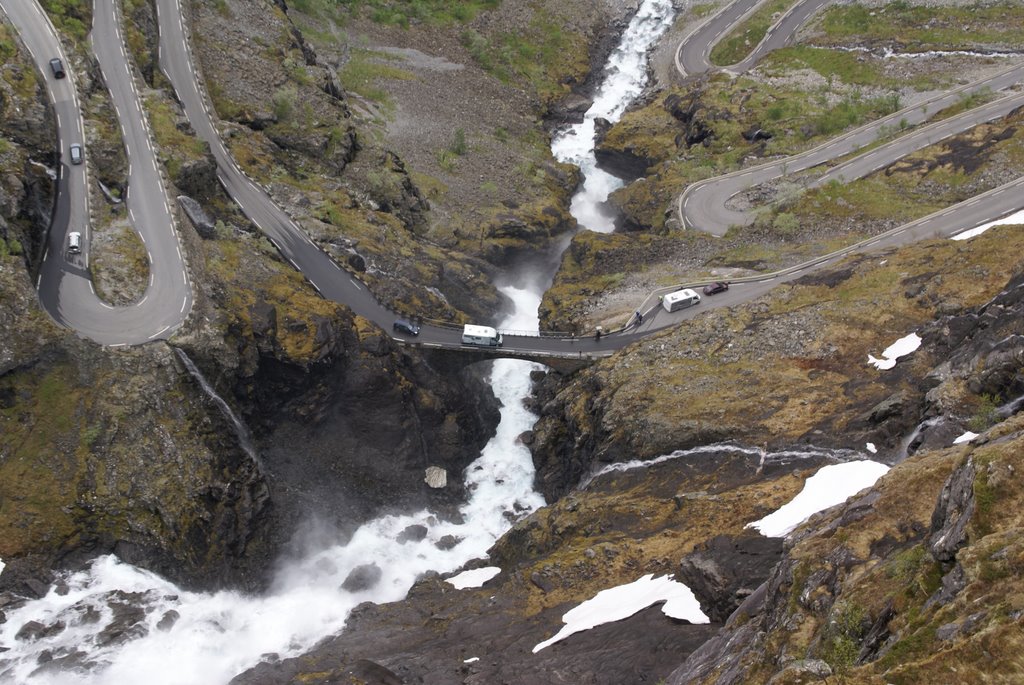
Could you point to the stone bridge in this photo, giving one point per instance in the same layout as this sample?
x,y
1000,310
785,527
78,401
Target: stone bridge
x,y
454,356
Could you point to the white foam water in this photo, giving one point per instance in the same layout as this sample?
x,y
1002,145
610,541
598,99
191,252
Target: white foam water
x,y
626,76
218,635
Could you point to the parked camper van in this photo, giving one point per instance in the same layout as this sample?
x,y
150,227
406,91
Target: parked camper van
x,y
680,299
481,335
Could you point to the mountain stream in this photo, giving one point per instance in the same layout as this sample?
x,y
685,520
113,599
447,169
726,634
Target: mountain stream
x,y
115,623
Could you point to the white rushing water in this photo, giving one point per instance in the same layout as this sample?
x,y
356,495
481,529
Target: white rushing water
x,y
194,638
217,635
625,79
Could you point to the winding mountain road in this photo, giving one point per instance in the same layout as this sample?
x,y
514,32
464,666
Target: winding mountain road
x,y
66,291
693,54
65,286
703,205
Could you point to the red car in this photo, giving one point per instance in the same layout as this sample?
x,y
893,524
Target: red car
x,y
716,287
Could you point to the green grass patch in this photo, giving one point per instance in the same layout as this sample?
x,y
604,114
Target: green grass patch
x,y
841,643
541,55
702,9
176,147
73,17
920,27
406,12
966,102
745,37
364,70
849,67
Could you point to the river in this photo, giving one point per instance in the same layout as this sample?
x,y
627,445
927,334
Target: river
x,y
192,638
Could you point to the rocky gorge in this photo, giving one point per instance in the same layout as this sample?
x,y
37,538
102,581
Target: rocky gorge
x,y
124,451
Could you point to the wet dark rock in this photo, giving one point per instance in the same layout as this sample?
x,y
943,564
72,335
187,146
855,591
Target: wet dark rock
x,y
356,262
887,408
61,587
543,582
257,121
952,514
362,577
198,178
168,620
127,623
569,110
34,630
24,577
198,217
9,600
755,133
526,438
413,533
447,542
952,583
877,635
61,662
726,569
601,128
372,673
332,85
627,163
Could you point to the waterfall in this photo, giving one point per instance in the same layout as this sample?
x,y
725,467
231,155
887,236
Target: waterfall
x,y
192,638
241,430
626,76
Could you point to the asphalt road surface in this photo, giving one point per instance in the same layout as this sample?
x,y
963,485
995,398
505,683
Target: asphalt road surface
x,y
66,290
65,286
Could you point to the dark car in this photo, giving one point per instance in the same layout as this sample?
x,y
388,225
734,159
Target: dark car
x,y
405,326
57,67
715,288
76,154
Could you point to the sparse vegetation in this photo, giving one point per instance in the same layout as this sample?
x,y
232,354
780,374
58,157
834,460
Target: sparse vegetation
x,y
74,17
284,103
542,55
361,73
406,12
841,644
985,414
925,27
747,35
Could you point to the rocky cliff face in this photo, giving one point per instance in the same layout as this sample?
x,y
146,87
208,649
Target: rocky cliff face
x,y
791,367
915,575
123,451
346,423
116,452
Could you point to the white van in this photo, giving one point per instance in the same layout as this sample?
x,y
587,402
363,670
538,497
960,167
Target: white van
x,y
680,299
74,242
481,335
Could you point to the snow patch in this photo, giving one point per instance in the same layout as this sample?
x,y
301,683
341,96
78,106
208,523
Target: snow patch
x,y
1017,218
473,578
826,488
900,348
471,660
966,437
2,564
871,448
617,603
